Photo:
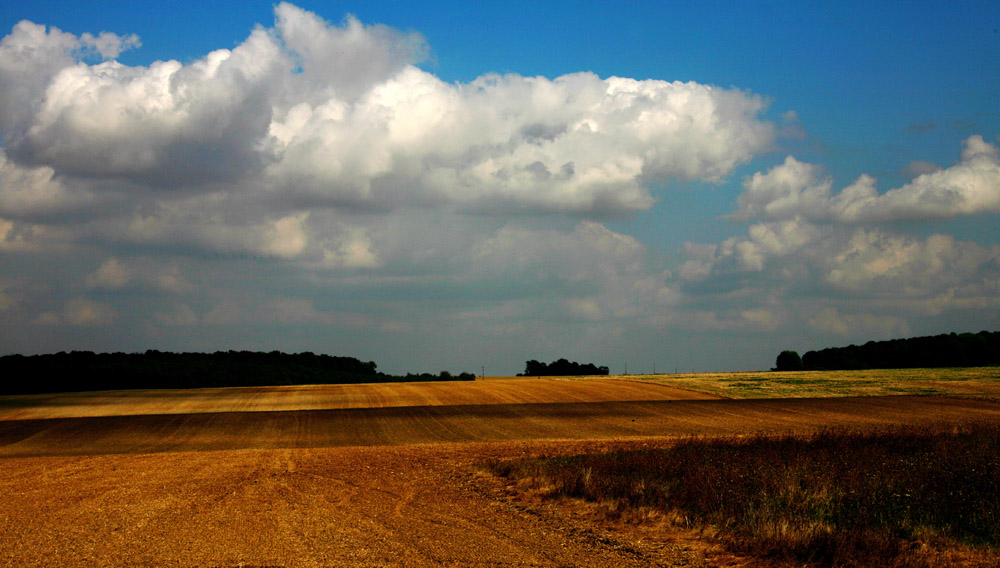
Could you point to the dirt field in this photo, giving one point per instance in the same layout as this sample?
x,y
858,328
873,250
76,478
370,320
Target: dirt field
x,y
362,475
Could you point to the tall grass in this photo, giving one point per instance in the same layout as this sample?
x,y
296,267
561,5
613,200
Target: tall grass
x,y
835,499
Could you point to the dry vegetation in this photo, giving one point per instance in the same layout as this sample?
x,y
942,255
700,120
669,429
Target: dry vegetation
x,y
975,381
385,475
921,497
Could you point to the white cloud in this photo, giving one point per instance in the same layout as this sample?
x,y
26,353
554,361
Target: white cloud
x,y
791,189
342,62
797,189
29,56
969,187
832,271
874,260
576,143
339,115
28,192
110,45
166,124
763,243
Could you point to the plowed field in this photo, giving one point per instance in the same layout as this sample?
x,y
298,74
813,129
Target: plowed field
x,y
362,475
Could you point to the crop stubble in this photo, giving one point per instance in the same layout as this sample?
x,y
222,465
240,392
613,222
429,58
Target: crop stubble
x,y
370,475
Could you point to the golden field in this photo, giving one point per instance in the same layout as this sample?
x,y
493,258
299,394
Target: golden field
x,y
388,474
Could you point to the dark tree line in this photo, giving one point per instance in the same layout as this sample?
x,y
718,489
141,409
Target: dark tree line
x,y
946,350
561,368
87,371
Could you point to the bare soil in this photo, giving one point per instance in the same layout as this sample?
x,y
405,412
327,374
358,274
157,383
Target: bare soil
x,y
372,475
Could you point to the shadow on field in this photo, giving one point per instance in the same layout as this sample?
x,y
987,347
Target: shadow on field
x,y
395,426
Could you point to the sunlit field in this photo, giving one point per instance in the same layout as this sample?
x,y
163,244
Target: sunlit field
x,y
983,381
392,474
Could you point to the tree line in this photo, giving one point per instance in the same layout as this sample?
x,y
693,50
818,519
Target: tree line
x,y
561,368
88,371
945,350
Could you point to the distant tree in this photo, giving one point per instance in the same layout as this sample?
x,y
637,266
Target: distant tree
x,y
788,361
561,367
87,371
533,368
945,350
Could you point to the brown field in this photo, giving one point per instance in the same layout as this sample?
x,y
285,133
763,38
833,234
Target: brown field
x,y
388,475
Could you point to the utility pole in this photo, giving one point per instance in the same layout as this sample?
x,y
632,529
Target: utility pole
x,y
482,375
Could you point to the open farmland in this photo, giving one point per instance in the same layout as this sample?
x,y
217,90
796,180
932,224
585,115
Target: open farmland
x,y
372,475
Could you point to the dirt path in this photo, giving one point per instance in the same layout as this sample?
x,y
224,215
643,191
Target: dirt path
x,y
356,487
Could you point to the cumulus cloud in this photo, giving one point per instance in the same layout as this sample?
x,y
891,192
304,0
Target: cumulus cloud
x,y
764,242
339,114
576,143
32,192
874,260
797,189
166,124
858,259
109,45
29,57
840,279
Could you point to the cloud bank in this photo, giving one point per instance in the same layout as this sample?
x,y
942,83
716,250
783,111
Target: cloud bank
x,y
314,188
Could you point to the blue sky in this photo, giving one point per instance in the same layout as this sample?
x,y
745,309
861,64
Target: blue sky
x,y
450,186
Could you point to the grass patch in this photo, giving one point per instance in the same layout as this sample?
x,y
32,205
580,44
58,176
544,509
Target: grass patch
x,y
838,498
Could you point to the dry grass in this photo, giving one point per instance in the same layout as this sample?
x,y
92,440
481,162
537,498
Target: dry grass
x,y
903,497
966,381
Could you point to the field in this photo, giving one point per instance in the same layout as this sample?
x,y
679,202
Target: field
x,y
393,474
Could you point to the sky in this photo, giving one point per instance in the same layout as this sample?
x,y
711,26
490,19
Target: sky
x,y
465,187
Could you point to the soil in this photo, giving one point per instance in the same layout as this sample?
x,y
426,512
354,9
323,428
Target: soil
x,y
382,479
